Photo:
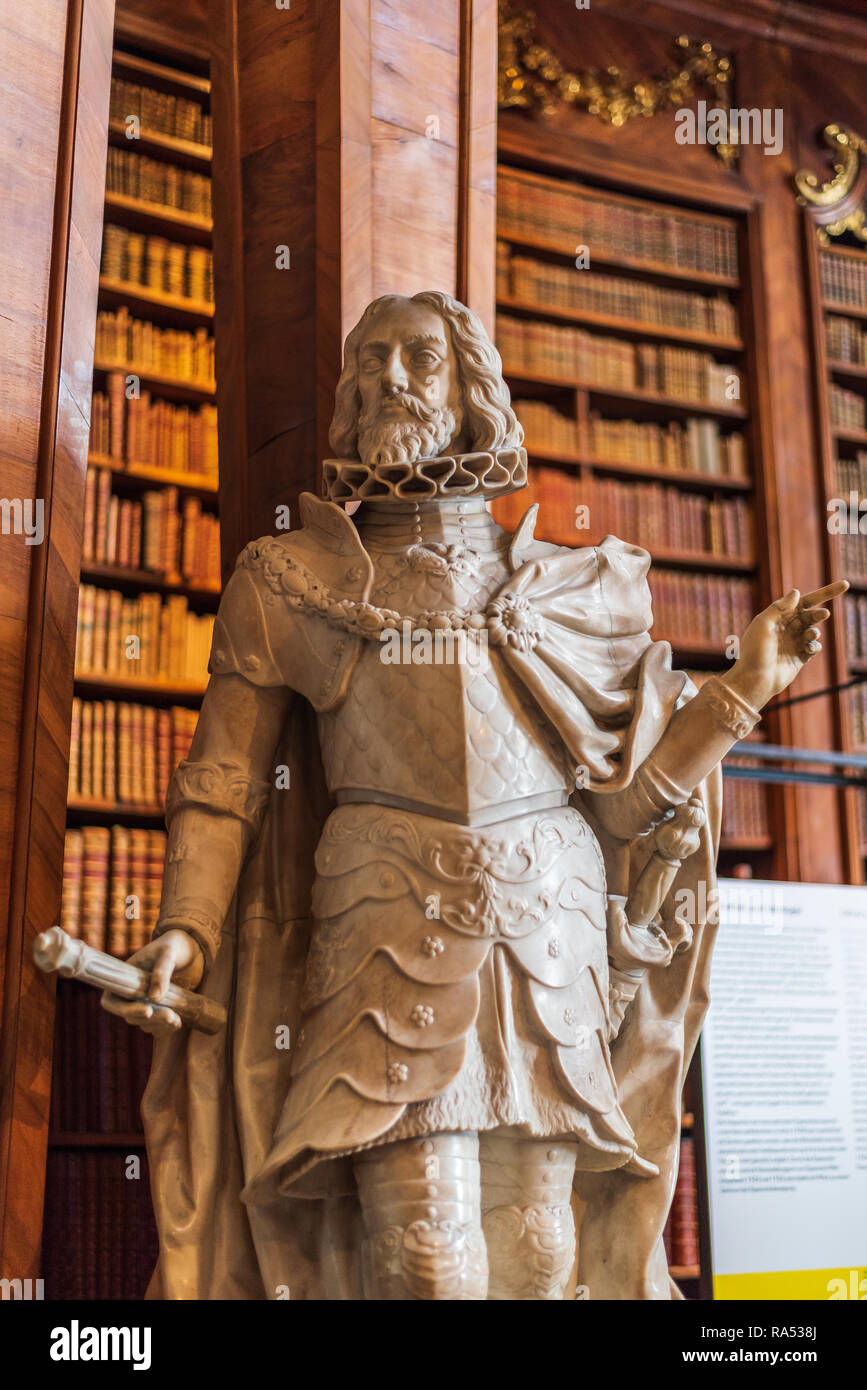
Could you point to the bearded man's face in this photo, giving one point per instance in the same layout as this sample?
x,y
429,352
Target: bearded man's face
x,y
408,382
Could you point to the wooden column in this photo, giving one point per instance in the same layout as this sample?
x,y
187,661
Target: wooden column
x,y
342,132
53,130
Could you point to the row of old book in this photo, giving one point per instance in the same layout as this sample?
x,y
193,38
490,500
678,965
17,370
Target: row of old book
x,y
655,515
846,340
139,346
101,1240
573,356
861,802
703,608
181,543
852,554
125,753
844,279
852,474
560,287
614,226
169,267
680,1236
745,809
104,1099
848,408
144,429
162,112
154,181
697,446
855,611
144,638
112,884
857,697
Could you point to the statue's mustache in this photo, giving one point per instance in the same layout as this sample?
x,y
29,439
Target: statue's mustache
x,y
412,404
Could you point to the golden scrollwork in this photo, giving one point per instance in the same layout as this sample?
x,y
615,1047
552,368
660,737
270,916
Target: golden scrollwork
x,y
839,205
532,78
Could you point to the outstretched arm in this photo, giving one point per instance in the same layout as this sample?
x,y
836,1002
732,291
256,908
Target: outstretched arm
x,y
775,646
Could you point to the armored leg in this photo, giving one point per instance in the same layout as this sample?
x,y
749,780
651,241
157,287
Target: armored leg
x,y
527,1215
421,1204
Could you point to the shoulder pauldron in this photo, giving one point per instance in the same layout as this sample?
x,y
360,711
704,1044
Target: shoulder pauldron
x,y
272,627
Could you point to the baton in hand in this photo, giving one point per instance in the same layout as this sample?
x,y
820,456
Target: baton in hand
x,y
54,950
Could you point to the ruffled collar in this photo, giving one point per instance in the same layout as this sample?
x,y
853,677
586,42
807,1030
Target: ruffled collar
x,y
485,473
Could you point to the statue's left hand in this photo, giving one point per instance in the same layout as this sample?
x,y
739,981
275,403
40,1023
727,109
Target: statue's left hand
x,y
779,641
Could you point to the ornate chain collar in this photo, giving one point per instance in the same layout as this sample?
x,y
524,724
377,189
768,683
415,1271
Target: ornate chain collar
x,y
510,620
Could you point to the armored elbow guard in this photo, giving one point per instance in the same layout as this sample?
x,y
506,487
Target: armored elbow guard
x,y
222,788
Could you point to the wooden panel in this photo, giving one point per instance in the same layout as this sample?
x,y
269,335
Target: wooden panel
x,y
264,193
358,173
56,109
477,189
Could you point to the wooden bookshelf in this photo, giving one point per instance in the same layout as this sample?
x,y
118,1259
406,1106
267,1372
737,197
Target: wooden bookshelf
x,y
123,810
656,269
142,298
632,328
187,153
159,218
840,445
849,311
127,820
158,692
146,474
848,369
120,577
704,482
849,436
169,387
159,76
661,405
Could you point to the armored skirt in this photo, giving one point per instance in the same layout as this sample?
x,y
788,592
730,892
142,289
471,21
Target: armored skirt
x,y
457,979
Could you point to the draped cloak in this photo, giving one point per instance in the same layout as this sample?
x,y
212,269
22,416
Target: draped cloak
x,y
213,1102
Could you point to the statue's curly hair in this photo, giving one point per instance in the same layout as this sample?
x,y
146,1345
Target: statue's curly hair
x,y
488,415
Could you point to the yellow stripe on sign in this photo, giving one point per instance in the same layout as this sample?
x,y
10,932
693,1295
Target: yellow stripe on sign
x,y
794,1284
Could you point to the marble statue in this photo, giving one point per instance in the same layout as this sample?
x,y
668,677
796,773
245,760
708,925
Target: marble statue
x,y
444,847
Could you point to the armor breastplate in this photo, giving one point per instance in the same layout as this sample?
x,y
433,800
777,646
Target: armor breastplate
x,y
460,741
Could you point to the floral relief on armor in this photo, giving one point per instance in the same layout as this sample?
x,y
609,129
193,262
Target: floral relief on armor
x,y
514,622
500,884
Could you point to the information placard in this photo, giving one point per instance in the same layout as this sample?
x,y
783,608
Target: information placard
x,y
784,1068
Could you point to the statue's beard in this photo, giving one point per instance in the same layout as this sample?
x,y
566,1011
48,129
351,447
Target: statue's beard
x,y
403,441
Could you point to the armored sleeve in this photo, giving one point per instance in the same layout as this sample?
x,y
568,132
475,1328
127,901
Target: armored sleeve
x,y
217,796
697,737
